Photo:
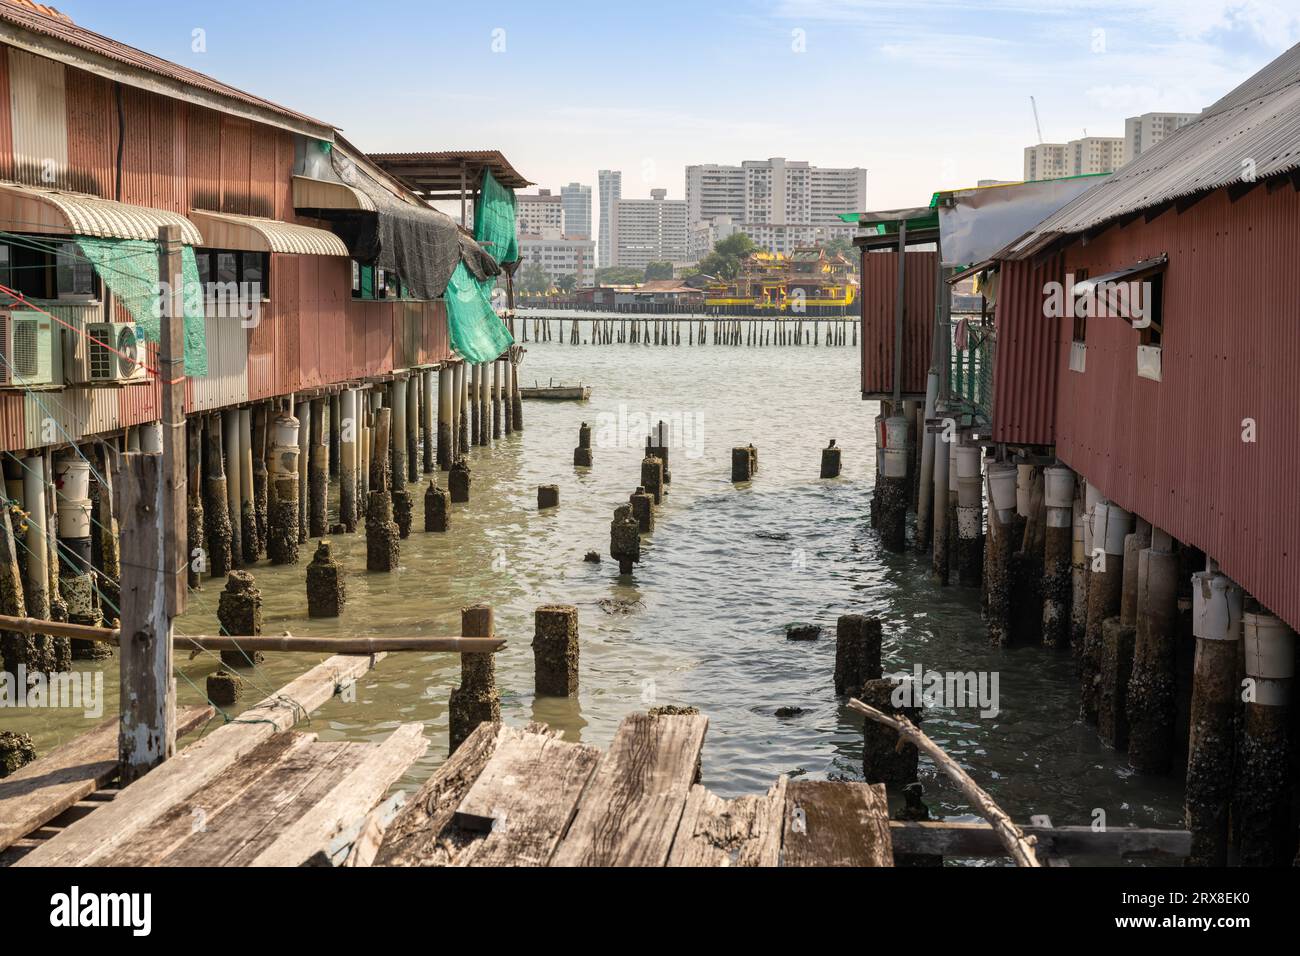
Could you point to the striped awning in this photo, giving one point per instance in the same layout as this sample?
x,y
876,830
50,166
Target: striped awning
x,y
223,230
309,193
53,212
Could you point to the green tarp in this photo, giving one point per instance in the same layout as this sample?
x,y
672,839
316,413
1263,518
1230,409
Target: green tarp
x,y
477,333
129,267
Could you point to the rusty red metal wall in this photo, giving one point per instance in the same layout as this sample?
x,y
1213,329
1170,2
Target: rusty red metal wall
x,y
879,293
1173,451
1027,354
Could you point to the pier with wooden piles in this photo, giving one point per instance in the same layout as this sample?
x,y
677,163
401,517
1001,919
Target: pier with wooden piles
x,y
580,327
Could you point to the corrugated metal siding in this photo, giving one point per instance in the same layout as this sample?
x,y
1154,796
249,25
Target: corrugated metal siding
x,y
227,380
1027,356
6,119
38,114
1172,451
879,292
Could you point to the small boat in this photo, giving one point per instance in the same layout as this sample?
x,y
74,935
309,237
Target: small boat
x,y
557,393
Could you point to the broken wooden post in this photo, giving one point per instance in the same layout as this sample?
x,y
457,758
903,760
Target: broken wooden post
x,y
239,611
830,461
548,496
742,465
886,759
326,591
652,477
857,652
625,539
582,454
643,509
437,508
555,651
476,700
458,481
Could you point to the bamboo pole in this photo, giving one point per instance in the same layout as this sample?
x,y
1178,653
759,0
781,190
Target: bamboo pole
x,y
1020,847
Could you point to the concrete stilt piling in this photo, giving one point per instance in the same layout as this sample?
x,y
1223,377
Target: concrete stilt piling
x,y
1119,639
396,401
582,456
458,481
234,492
326,589
31,650
1058,491
437,508
484,405
317,472
516,398
1152,703
463,408
970,515
892,482
224,688
216,508
475,409
476,700
885,758
1105,584
411,434
625,539
940,558
348,459
1262,802
1002,499
335,434
507,392
261,477
857,652
555,651
250,549
830,461
929,440
1078,572
548,496
196,543
1217,626
304,469
428,419
446,454
741,464
239,611
382,547
282,504
496,399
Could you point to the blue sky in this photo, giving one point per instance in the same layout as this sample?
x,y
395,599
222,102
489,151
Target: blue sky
x,y
924,93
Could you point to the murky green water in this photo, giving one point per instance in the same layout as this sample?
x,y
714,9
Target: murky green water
x,y
704,621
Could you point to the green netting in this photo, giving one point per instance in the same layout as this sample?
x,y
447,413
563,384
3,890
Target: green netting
x,y
129,267
477,332
494,220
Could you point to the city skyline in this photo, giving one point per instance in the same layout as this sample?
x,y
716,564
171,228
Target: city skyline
x,y
1088,64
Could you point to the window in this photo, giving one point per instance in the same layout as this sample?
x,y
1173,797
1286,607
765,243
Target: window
x,y
372,282
233,280
41,268
1080,316
1153,334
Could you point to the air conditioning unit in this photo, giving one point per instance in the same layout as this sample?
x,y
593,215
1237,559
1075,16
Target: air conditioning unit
x,y
114,352
27,341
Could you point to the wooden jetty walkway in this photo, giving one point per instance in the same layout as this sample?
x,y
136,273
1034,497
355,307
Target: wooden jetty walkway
x,y
528,798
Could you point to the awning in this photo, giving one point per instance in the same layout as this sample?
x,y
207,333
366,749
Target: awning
x,y
309,193
49,211
222,230
1139,270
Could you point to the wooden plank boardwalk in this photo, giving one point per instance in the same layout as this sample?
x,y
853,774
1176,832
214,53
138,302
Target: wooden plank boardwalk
x,y
527,798
253,792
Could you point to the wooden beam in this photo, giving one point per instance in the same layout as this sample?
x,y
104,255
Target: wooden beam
x,y
742,832
835,823
147,708
349,801
196,766
39,792
630,811
980,840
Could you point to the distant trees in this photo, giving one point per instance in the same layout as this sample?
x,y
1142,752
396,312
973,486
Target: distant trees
x,y
566,283
533,279
619,275
844,247
725,259
658,270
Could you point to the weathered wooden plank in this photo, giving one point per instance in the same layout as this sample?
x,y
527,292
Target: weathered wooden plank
x,y
91,839
349,801
524,799
745,831
196,814
835,823
948,838
423,833
71,772
629,812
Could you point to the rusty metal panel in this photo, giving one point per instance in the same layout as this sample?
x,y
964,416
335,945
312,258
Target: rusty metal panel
x,y
878,294
1028,354
13,421
1173,451
203,157
236,140
39,118
92,134
6,118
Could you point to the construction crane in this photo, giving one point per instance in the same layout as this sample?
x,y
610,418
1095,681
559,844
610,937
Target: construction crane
x,y
1037,125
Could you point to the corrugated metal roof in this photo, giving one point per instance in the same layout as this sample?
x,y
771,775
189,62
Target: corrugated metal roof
x,y
29,209
1249,135
253,233
27,18
439,172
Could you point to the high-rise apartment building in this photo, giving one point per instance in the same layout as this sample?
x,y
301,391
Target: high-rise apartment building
x,y
539,214
576,200
609,183
560,256
648,230
775,200
1143,132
